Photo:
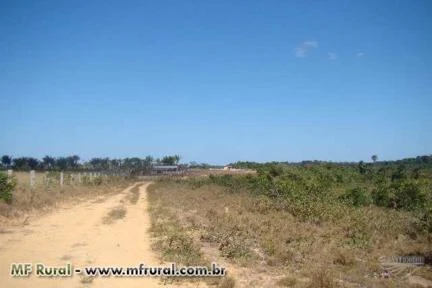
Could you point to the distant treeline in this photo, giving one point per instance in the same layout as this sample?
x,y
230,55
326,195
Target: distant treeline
x,y
419,161
72,163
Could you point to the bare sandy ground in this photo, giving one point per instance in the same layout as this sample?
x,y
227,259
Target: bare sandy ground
x,y
78,235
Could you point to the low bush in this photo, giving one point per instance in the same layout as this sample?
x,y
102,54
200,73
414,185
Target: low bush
x,y
409,196
405,194
357,197
7,185
381,196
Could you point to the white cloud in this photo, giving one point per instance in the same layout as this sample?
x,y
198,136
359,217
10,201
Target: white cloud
x,y
304,48
332,56
359,54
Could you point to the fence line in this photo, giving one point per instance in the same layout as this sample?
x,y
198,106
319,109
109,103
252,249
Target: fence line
x,y
59,178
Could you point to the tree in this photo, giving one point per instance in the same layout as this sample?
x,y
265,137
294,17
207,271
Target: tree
x,y
115,164
147,163
171,160
149,159
48,162
133,165
20,163
102,164
62,163
362,167
6,161
177,158
33,163
74,160
374,158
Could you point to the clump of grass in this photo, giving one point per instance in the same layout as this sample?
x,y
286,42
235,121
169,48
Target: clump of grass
x,y
115,214
343,257
322,278
173,242
287,281
134,194
227,282
87,280
177,246
176,243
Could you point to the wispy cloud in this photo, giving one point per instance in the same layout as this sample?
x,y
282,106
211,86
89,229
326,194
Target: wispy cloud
x,y
332,56
359,54
303,49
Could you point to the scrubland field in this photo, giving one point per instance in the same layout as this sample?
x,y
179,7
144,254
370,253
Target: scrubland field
x,y
318,225
275,225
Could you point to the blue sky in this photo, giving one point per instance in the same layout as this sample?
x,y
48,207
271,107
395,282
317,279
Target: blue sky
x,y
217,81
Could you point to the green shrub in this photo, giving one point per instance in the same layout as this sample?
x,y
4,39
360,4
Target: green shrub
x,y
98,181
404,194
381,197
276,170
408,195
357,197
425,215
7,185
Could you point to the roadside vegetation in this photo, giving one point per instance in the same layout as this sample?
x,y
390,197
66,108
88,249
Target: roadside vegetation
x,y
18,198
6,187
304,225
96,177
134,194
175,242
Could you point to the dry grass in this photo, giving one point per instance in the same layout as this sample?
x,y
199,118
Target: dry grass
x,y
322,278
86,280
287,281
176,244
47,193
134,194
254,233
227,282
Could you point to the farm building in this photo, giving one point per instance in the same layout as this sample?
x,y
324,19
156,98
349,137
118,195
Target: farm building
x,y
166,169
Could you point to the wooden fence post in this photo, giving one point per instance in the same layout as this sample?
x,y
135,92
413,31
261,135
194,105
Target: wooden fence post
x,y
32,178
61,179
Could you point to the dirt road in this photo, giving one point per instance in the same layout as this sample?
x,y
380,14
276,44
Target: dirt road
x,y
81,236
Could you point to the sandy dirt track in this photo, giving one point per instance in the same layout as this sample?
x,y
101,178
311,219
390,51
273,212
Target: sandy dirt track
x,y
78,235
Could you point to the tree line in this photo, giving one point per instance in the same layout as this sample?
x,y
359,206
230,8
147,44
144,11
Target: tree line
x,y
50,163
424,161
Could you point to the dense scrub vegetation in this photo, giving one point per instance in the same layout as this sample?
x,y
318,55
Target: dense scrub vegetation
x,y
306,224
400,185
